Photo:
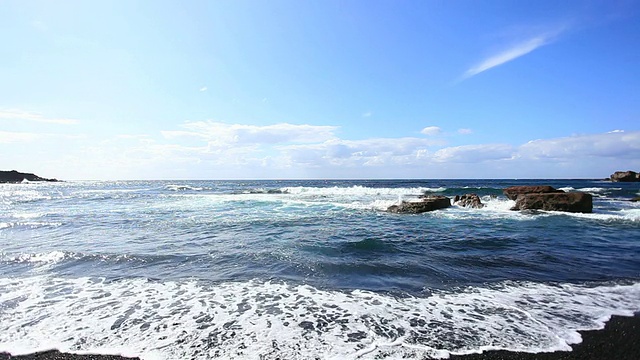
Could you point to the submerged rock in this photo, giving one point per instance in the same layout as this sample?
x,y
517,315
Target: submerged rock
x,y
428,203
468,200
513,191
18,177
625,176
570,202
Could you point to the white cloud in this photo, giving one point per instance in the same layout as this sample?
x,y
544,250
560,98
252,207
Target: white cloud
x,y
474,153
618,144
368,152
221,134
465,131
367,114
204,88
16,114
431,130
513,52
7,137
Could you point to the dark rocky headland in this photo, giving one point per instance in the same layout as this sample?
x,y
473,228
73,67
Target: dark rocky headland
x,y
14,176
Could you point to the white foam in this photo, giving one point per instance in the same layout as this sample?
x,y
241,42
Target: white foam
x,y
597,189
358,190
257,320
567,189
29,215
30,224
174,187
51,257
626,215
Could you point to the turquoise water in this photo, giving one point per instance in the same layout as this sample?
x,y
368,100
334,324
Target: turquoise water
x,y
306,269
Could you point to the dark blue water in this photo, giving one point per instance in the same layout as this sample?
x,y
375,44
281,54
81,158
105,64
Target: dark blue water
x,y
269,269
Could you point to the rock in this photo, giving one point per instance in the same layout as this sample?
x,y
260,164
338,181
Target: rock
x,y
468,200
17,177
635,199
625,176
513,191
429,203
570,202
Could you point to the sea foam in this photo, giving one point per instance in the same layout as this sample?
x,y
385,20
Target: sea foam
x,y
269,320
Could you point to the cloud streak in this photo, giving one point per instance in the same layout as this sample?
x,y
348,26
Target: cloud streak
x,y
17,114
520,49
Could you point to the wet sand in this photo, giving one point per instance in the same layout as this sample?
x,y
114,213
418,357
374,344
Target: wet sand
x,y
619,340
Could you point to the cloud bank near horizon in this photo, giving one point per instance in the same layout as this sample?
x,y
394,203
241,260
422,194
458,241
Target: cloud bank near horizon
x,y
218,150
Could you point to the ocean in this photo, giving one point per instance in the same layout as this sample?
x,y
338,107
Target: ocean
x,y
308,269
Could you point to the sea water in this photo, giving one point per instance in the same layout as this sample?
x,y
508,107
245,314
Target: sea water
x,y
308,269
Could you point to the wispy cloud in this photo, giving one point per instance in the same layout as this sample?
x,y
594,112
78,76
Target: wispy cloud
x,y
431,130
465,131
519,49
16,114
367,114
204,88
8,137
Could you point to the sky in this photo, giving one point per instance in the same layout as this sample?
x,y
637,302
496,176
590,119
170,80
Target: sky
x,y
288,89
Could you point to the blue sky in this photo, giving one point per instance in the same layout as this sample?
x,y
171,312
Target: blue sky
x,y
319,89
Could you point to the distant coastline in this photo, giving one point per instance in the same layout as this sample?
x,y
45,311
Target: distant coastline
x,y
14,176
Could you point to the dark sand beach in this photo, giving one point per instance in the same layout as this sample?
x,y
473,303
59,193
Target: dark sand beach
x,y
619,340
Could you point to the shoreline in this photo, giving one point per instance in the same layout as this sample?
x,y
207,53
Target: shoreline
x,y
617,341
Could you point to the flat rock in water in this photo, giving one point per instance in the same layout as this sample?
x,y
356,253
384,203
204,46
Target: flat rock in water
x,y
429,203
570,202
513,191
625,176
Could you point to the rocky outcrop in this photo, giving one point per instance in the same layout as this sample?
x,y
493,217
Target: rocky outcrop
x,y
559,201
513,191
428,203
17,177
468,200
625,176
635,199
